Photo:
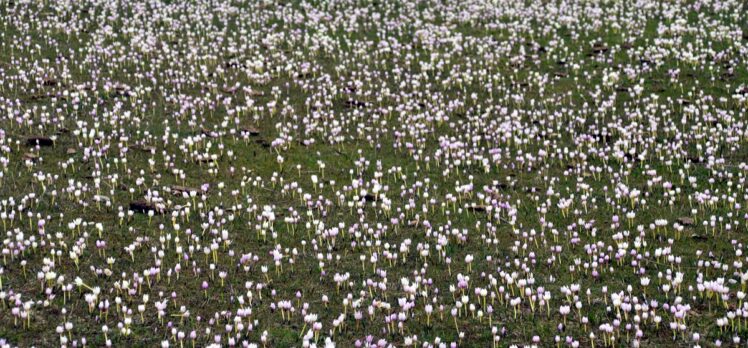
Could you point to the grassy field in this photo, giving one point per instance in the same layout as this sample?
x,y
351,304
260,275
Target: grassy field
x,y
373,173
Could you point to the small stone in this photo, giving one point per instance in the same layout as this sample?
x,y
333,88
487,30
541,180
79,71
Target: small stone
x,y
251,131
354,104
49,82
699,237
599,48
143,206
685,221
501,186
179,190
102,198
230,90
39,140
262,142
208,133
476,208
144,148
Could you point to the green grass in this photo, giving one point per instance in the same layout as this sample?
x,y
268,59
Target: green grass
x,y
523,101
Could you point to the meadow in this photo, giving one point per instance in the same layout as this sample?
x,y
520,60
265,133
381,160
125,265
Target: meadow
x,y
373,173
